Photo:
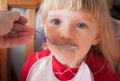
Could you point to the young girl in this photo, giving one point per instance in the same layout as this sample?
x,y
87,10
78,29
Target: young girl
x,y
82,46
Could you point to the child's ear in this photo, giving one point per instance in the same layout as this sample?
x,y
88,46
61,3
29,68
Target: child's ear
x,y
97,39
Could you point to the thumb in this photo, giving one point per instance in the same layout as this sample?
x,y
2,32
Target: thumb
x,y
14,15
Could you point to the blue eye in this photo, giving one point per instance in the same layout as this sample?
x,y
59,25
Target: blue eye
x,y
81,25
56,21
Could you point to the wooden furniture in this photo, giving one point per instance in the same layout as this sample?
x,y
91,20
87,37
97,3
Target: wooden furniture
x,y
4,56
30,6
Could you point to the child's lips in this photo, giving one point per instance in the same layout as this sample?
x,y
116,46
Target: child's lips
x,y
65,47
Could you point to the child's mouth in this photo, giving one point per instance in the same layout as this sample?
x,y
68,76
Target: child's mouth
x,y
65,47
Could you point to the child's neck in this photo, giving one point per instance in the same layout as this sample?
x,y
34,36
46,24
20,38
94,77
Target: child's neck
x,y
70,63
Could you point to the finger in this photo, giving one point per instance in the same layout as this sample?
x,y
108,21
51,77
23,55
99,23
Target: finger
x,y
16,35
19,40
22,28
23,20
15,15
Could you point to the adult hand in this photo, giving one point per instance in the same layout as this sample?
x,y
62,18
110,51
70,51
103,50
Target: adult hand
x,y
13,31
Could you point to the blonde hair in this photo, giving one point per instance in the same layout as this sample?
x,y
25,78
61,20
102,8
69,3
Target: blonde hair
x,y
99,10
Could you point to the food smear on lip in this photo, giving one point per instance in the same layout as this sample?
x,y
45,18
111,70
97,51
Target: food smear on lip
x,y
65,47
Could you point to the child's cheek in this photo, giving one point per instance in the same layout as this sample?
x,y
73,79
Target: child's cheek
x,y
51,33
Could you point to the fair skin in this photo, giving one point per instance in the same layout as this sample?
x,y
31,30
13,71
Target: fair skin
x,y
13,29
71,35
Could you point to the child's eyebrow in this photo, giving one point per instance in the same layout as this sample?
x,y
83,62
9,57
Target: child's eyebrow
x,y
86,20
54,16
89,20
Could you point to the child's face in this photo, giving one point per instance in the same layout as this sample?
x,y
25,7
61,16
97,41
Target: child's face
x,y
72,34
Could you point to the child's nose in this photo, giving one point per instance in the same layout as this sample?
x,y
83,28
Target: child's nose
x,y
66,33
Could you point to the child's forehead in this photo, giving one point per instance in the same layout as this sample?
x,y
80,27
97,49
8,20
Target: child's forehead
x,y
65,13
68,11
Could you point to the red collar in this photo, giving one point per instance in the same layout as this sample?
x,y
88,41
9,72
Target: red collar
x,y
62,71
